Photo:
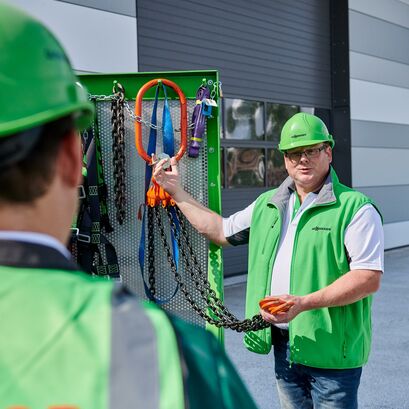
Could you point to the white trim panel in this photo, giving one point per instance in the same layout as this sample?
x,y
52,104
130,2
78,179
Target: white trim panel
x,y
374,69
379,167
95,40
377,102
392,11
396,235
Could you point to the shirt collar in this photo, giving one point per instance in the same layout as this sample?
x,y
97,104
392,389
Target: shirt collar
x,y
35,238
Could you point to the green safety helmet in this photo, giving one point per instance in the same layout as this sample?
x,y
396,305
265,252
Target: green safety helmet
x,y
37,82
303,129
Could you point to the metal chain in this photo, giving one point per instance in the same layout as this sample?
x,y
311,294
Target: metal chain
x,y
224,317
148,124
102,97
202,285
182,286
246,325
118,149
199,275
200,280
131,113
151,251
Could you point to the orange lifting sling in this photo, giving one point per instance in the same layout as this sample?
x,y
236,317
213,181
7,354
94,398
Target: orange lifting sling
x,y
156,195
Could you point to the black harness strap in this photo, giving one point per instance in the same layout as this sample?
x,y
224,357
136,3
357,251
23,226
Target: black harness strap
x,y
94,252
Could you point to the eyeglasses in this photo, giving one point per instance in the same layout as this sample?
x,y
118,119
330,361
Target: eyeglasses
x,y
310,153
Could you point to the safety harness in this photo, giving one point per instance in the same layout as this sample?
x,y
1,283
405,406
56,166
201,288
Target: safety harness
x,y
89,245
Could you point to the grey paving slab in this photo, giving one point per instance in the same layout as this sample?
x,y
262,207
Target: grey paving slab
x,y
385,379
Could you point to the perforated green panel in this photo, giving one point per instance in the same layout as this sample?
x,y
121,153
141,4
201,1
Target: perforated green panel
x,y
200,177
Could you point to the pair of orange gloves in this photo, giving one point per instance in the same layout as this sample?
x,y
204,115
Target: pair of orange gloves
x,y
275,305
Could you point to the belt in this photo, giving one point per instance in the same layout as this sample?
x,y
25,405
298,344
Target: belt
x,y
280,331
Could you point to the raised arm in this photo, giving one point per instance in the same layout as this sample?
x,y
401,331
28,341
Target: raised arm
x,y
204,220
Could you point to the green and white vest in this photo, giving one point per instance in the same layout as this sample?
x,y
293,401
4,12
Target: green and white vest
x,y
336,337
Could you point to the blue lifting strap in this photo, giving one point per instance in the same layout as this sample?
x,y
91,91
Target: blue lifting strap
x,y
168,147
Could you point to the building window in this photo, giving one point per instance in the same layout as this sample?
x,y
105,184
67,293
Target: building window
x,y
250,137
243,120
245,167
275,169
276,116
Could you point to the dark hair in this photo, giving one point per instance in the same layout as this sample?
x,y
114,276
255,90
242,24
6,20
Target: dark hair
x,y
28,179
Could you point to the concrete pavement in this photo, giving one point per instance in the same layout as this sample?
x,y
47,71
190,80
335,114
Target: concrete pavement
x,y
385,379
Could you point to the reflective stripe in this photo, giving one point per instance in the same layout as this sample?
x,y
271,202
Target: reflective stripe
x,y
134,374
171,376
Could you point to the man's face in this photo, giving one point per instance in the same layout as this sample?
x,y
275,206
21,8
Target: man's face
x,y
308,165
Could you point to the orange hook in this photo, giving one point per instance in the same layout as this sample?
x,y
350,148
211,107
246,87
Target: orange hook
x,y
157,195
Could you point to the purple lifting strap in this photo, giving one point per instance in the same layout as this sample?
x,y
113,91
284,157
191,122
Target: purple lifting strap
x,y
199,121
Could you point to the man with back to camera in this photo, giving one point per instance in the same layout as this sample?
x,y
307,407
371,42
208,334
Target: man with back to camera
x,y
68,340
317,245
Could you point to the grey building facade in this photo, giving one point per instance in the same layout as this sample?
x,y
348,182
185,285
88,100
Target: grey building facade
x,y
347,62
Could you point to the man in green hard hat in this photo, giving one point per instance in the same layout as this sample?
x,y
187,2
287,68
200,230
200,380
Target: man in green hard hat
x,y
315,249
69,340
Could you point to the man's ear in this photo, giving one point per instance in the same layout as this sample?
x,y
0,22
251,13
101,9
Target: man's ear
x,y
329,153
69,160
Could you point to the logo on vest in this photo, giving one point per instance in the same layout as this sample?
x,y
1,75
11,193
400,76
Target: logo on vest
x,y
316,228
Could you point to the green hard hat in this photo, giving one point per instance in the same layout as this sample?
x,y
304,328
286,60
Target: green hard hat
x,y
304,129
37,82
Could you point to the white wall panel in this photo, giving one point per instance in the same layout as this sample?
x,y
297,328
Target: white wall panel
x,y
379,167
373,134
381,38
374,69
377,102
396,234
393,11
95,40
125,7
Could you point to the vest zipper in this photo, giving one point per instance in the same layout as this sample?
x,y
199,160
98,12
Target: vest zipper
x,y
291,278
344,348
344,345
268,233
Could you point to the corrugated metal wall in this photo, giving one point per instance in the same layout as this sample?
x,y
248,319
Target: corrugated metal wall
x,y
379,70
264,50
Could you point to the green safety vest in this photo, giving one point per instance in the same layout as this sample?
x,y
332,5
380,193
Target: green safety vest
x,y
72,340
335,337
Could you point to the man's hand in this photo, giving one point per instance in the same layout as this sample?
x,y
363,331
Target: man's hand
x,y
349,288
295,307
168,179
204,220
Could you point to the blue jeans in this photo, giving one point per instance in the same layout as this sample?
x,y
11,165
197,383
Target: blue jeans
x,y
304,387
